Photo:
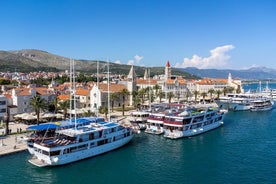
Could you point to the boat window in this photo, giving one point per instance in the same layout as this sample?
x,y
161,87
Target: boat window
x,y
54,153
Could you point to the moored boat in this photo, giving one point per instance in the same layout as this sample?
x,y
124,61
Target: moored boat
x,y
139,119
78,143
192,121
155,123
262,105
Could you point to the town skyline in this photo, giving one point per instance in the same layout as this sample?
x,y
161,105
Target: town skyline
x,y
202,34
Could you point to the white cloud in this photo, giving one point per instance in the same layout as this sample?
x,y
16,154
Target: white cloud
x,y
130,62
117,61
217,59
138,58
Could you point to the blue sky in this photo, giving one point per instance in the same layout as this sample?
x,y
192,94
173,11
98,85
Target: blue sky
x,y
222,34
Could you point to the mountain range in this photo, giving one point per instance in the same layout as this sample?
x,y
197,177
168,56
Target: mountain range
x,y
254,73
29,60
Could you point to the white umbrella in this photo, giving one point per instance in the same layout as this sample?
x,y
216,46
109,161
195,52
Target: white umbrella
x,y
28,117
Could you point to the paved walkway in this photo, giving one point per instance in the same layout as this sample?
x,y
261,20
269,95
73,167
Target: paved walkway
x,y
13,143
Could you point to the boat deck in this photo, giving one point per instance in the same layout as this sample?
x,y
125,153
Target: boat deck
x,y
37,162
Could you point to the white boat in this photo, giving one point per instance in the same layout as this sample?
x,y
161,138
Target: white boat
x,y
155,123
139,119
192,122
238,102
262,105
79,143
48,130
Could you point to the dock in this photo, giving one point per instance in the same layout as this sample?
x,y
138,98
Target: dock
x,y
13,143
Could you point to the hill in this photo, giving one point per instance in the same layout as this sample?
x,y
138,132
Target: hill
x,y
14,62
36,59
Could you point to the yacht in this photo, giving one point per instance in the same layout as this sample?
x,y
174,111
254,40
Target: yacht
x,y
237,102
192,121
73,144
262,105
48,130
155,123
139,119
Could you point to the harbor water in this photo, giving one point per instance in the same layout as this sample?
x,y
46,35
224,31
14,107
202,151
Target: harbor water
x,y
241,151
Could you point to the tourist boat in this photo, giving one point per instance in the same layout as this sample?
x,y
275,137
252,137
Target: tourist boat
x,y
238,102
139,119
73,144
155,123
48,130
262,105
192,121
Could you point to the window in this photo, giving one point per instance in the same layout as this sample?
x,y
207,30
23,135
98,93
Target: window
x,y
2,102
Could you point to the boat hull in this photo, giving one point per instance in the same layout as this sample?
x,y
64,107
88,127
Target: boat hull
x,y
192,132
62,159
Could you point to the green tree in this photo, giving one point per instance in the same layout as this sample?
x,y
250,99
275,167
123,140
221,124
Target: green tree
x,y
136,101
196,93
203,94
142,93
113,98
104,110
170,96
156,89
64,106
160,95
211,92
38,104
124,93
218,92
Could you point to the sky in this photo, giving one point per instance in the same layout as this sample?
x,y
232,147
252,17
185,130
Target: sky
x,y
219,34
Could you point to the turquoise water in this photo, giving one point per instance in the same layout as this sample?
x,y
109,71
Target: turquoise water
x,y
243,150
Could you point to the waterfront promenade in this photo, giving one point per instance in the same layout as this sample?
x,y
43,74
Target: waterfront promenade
x,y
15,142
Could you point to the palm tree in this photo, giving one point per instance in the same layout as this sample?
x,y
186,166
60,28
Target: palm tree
x,y
113,98
224,91
89,113
203,94
142,93
38,104
136,101
55,104
156,88
211,92
196,93
169,96
124,92
64,106
218,92
104,110
160,95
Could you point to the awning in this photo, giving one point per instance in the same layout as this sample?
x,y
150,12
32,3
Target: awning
x,y
44,126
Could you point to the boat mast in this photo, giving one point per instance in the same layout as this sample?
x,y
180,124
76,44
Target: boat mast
x,y
108,92
97,96
149,92
74,87
70,90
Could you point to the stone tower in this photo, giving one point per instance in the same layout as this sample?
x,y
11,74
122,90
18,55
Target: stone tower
x,y
131,83
168,70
